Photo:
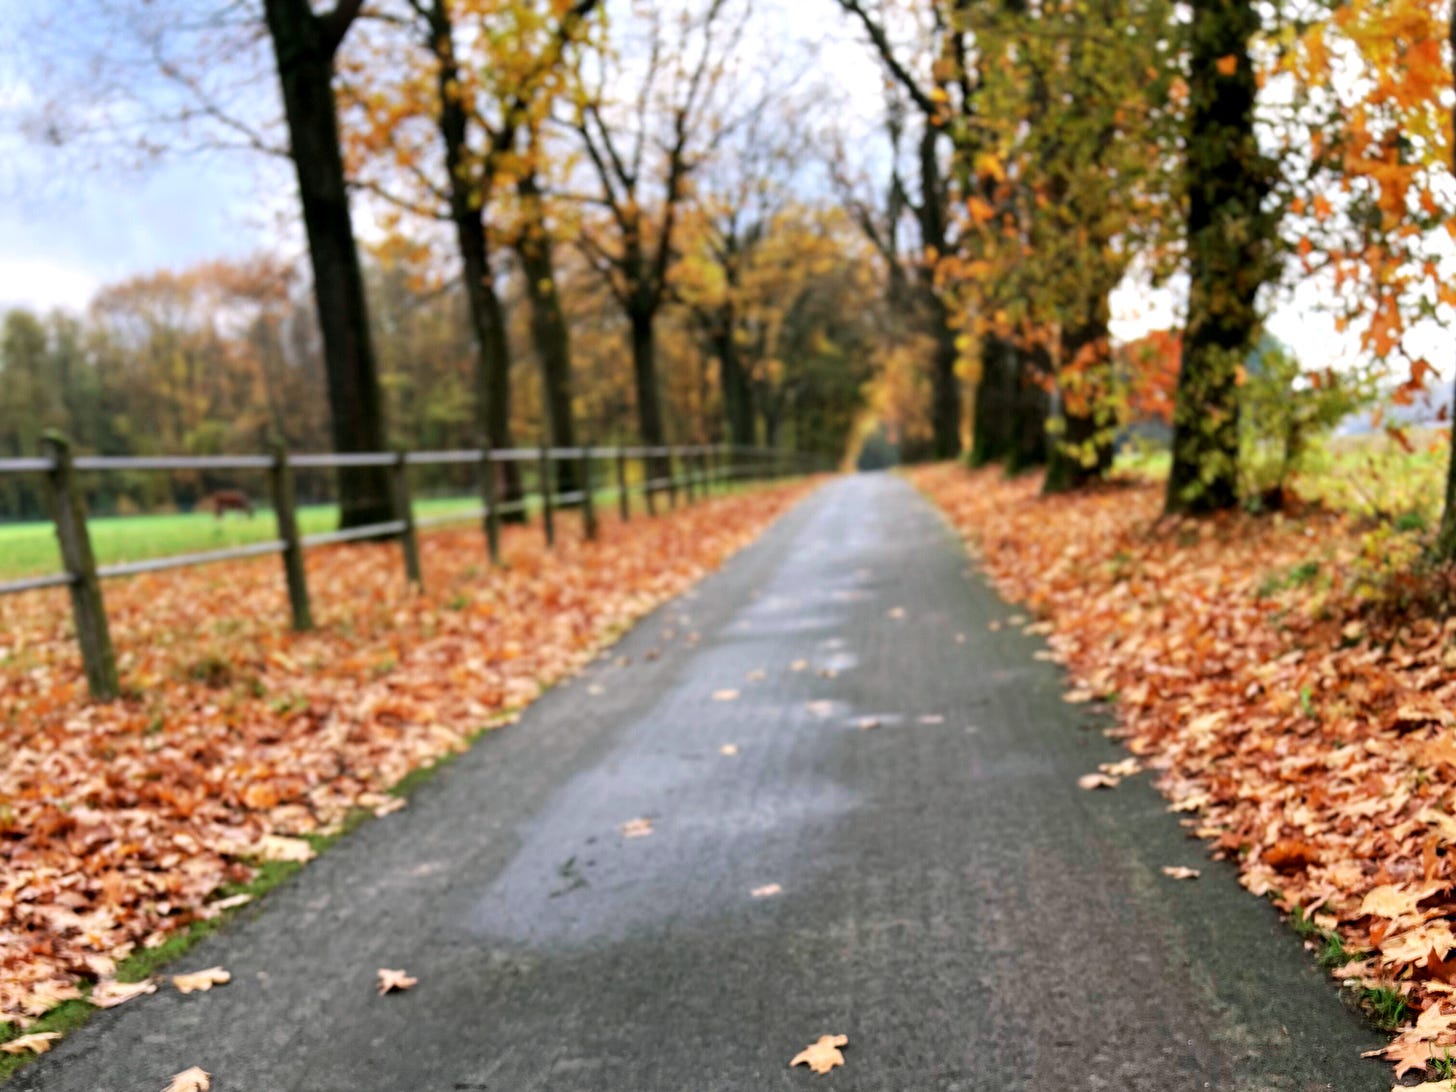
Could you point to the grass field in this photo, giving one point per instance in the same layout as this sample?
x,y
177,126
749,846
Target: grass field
x,y
1371,475
29,549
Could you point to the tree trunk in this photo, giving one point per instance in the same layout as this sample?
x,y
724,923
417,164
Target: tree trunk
x,y
304,46
549,332
1446,539
945,385
1229,257
737,394
644,376
1031,407
487,317
1082,453
992,439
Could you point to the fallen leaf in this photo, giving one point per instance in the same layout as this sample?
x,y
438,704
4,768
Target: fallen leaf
x,y
729,749
725,695
109,994
822,1056
1179,872
930,718
391,981
865,724
1128,767
1291,855
1098,781
232,902
895,612
828,673
1079,696
195,1079
799,665
636,828
201,981
1392,901
767,891
35,1043
276,847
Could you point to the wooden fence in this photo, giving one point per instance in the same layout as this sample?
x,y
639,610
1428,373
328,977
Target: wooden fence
x,y
690,471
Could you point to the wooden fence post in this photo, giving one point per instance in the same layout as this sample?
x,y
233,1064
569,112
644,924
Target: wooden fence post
x,y
280,484
408,542
588,502
671,463
68,510
490,496
548,488
649,488
624,501
689,486
710,465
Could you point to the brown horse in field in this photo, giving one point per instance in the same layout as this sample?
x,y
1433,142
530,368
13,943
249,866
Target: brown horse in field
x,y
225,500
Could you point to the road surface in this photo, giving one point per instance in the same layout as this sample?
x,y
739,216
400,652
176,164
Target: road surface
x,y
893,848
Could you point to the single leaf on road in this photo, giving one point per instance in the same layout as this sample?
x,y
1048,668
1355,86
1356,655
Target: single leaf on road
x,y
725,695
822,1056
201,981
391,981
728,749
636,828
1098,781
767,891
195,1079
109,994
1179,872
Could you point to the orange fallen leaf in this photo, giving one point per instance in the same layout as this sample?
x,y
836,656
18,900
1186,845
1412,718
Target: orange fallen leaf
x,y
725,695
799,665
767,891
822,1056
391,981
728,749
109,994
195,1079
201,981
36,1043
1098,781
636,828
276,847
1180,872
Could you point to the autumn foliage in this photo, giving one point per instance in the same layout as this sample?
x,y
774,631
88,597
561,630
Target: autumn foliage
x,y
119,823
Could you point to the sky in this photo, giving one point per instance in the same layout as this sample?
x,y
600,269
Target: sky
x,y
75,218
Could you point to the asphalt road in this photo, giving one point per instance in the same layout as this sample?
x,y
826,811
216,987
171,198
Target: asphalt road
x,y
947,897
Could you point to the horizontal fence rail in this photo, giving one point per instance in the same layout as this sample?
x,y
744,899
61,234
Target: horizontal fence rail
x,y
690,471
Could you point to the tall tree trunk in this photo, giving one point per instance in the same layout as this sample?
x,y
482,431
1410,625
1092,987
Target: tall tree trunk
x,y
993,437
1446,539
1229,256
549,332
737,394
303,46
945,385
487,316
1082,453
644,377
1031,408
